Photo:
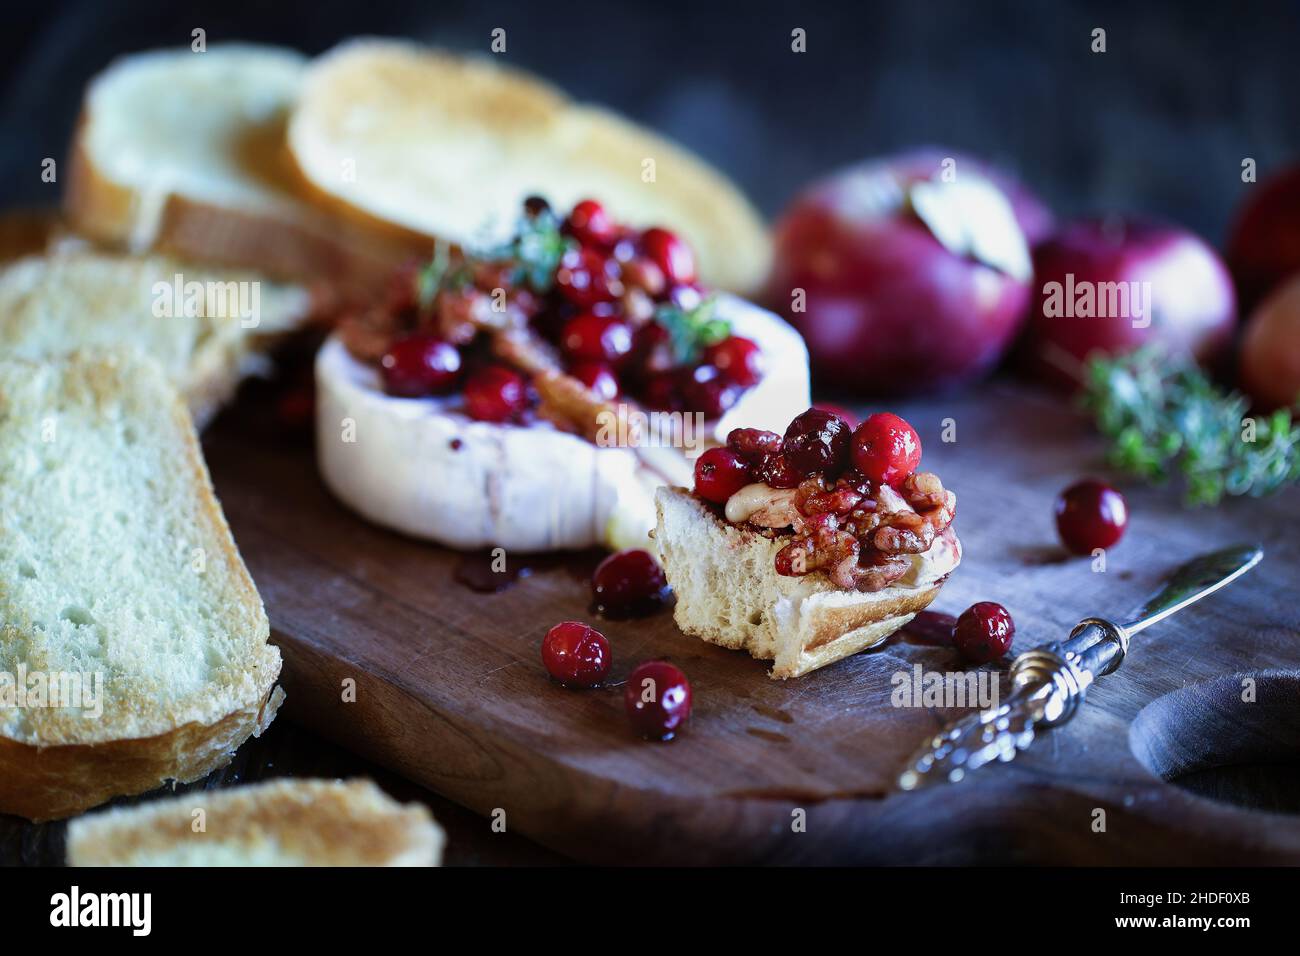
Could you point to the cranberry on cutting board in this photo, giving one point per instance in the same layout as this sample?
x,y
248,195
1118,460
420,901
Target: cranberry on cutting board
x,y
629,584
1090,515
575,655
657,697
983,632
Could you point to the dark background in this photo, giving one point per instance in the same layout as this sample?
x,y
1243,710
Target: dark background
x,y
1160,123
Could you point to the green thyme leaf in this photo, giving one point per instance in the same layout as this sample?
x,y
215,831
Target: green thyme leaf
x,y
692,330
1164,420
536,249
429,280
442,272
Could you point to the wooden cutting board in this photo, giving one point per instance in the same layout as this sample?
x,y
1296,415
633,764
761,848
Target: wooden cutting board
x,y
450,692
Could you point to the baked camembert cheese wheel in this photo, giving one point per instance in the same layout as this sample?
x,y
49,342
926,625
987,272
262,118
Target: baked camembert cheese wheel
x,y
533,395
808,547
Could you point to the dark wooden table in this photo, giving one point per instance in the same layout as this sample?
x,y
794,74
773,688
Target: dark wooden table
x,y
453,694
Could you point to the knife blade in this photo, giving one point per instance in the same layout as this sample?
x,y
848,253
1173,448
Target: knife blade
x,y
1050,682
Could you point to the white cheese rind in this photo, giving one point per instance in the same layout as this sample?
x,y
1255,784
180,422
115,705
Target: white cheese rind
x,y
423,468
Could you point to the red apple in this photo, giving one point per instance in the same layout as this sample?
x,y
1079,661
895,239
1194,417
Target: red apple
x,y
903,277
1035,219
1270,350
1112,285
1264,248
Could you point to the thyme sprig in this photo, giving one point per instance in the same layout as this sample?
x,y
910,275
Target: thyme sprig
x,y
1164,419
536,248
691,330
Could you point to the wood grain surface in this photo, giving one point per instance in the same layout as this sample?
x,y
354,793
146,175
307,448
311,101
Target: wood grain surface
x,y
450,691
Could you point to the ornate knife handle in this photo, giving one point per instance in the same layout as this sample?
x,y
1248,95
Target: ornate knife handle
x,y
1059,674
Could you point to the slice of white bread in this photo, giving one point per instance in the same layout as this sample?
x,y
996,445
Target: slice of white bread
x,y
183,152
729,593
446,146
277,823
24,232
118,576
93,300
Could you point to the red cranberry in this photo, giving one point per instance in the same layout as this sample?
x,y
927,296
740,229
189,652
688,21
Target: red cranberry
x,y
591,225
657,696
1089,515
719,474
661,392
420,365
629,584
651,348
495,393
670,254
587,277
753,444
983,632
777,471
704,389
598,378
739,359
576,655
596,338
818,442
839,411
886,448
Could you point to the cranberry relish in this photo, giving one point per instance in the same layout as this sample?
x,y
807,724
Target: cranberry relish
x,y
850,500
565,318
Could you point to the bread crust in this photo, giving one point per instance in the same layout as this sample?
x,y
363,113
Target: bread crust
x,y
50,783
27,231
285,241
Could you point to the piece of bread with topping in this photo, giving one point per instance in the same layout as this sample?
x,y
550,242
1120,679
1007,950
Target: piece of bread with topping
x,y
276,823
807,547
730,594
133,643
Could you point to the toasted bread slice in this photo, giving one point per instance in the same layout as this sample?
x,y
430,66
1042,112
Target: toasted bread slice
x,y
728,593
277,823
183,152
93,300
123,600
439,145
24,232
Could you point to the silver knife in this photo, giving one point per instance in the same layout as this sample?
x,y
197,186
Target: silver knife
x,y
1049,682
